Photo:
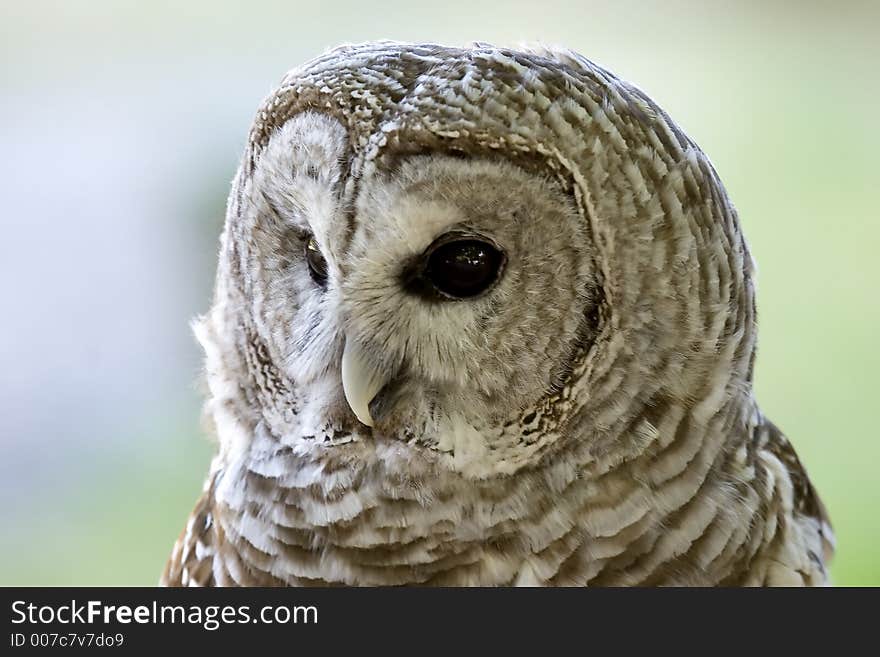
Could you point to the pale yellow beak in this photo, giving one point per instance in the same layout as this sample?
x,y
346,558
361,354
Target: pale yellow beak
x,y
361,380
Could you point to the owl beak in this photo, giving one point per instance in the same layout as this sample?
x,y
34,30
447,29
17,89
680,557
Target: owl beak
x,y
361,380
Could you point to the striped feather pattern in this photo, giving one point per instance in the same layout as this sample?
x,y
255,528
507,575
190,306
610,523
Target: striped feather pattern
x,y
650,464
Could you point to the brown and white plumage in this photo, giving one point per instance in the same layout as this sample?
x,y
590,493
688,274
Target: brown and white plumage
x,y
589,420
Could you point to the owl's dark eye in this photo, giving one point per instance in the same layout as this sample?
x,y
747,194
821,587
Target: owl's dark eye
x,y
462,267
316,261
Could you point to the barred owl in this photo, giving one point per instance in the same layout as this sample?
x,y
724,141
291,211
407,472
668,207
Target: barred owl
x,y
486,317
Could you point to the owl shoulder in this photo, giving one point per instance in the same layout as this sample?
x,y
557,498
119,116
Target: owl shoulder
x,y
807,506
191,560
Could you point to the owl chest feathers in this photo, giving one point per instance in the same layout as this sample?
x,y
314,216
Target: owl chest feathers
x,y
691,512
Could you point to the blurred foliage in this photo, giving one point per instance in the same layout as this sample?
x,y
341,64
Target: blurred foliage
x,y
782,97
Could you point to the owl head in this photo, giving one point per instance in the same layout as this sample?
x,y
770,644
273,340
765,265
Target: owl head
x,y
474,258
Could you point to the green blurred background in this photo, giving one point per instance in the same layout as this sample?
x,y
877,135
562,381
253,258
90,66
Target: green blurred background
x,y
121,124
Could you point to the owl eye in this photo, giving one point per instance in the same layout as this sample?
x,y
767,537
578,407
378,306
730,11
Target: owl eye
x,y
316,261
462,268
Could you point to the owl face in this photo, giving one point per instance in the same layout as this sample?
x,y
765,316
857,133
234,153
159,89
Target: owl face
x,y
428,302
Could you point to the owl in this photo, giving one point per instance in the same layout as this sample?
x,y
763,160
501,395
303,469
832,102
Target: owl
x,y
486,317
